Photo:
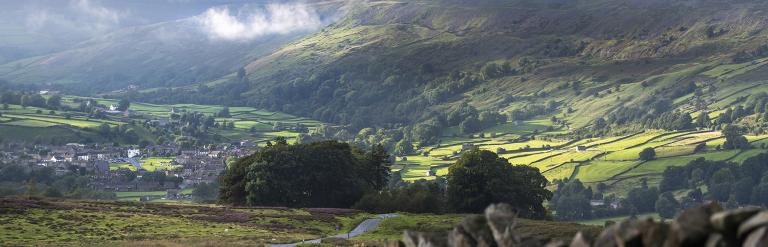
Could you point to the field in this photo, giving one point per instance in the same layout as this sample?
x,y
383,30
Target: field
x,y
79,223
155,163
610,160
601,222
250,123
392,228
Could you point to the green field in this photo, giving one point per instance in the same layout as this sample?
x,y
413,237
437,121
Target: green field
x,y
155,163
122,165
250,123
611,160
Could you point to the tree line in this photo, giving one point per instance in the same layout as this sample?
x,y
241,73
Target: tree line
x,y
335,174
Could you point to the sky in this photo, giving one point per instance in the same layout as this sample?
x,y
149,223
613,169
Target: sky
x,y
30,27
222,19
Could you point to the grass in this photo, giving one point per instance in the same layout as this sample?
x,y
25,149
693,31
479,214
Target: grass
x,y
747,154
566,157
564,171
658,165
122,165
392,228
79,223
599,170
601,221
157,163
60,120
521,128
629,142
139,193
31,123
526,160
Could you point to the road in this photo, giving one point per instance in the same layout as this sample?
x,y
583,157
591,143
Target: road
x,y
135,163
363,227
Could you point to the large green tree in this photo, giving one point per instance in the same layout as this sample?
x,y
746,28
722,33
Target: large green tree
x,y
319,174
480,178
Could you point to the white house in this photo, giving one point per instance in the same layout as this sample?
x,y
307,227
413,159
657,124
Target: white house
x,y
133,153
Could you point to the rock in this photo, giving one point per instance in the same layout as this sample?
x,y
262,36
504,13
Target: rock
x,y
473,231
620,234
727,223
757,220
692,227
716,240
501,221
706,225
579,241
757,238
419,239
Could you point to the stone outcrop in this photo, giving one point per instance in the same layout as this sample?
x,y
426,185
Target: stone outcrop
x,y
708,225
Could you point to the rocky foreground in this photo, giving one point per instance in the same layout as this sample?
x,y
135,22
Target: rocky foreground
x,y
707,225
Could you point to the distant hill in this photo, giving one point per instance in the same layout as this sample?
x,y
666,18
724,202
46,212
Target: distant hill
x,y
163,54
391,62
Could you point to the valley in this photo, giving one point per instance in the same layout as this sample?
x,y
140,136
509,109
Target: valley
x,y
240,123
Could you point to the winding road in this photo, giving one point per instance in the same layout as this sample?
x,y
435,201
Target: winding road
x,y
363,227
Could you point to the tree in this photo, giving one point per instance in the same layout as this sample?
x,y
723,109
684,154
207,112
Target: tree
x,y
375,166
571,201
742,189
720,184
734,139
667,206
130,136
703,120
205,192
224,112
104,129
480,178
403,147
54,101
241,75
470,125
319,174
418,197
638,198
123,105
647,154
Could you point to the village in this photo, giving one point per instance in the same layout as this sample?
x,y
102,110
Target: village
x,y
110,168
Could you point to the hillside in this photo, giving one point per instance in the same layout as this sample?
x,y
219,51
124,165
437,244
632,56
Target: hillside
x,y
70,222
503,55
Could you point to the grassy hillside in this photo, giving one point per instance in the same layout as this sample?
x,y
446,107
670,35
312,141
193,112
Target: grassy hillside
x,y
434,54
77,223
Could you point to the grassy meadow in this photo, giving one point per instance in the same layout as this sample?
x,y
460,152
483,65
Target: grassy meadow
x,y
81,223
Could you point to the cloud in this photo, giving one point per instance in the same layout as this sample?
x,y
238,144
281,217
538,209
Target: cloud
x,y
220,24
73,15
97,11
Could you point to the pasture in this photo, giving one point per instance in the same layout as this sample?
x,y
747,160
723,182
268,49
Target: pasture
x,y
611,160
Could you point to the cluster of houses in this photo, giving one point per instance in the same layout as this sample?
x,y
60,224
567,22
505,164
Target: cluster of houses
x,y
105,165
